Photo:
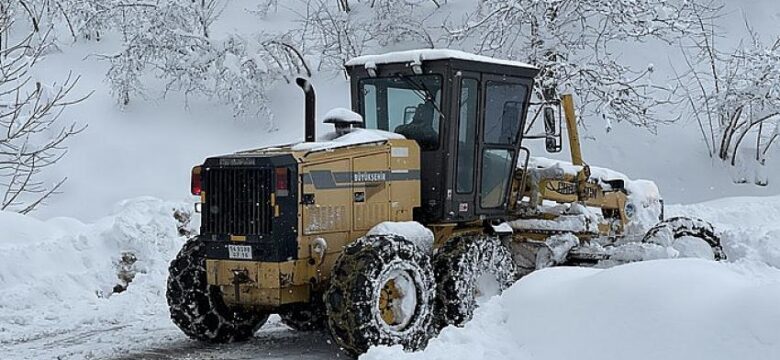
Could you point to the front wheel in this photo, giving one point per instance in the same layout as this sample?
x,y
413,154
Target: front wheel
x,y
381,293
198,309
689,236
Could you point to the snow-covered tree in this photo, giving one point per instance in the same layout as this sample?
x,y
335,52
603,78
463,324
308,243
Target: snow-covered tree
x,y
39,17
338,31
32,135
171,41
735,96
577,43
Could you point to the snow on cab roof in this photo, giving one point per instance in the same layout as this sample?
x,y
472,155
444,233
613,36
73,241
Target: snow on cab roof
x,y
431,54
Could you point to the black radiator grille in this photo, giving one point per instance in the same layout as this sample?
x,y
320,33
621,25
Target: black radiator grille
x,y
238,201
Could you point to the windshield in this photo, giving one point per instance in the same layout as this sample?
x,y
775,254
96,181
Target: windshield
x,y
407,105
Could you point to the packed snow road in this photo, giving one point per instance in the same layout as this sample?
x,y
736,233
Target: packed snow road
x,y
56,279
138,340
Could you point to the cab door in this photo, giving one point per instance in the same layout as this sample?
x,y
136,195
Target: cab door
x,y
504,103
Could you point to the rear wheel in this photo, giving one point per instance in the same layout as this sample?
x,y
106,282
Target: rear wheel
x,y
689,236
198,309
382,291
469,271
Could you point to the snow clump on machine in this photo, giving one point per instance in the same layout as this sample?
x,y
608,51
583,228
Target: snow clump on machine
x,y
342,114
409,230
644,198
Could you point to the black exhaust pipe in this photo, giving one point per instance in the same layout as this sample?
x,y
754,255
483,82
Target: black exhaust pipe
x,y
308,89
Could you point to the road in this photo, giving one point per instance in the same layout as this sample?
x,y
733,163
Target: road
x,y
157,340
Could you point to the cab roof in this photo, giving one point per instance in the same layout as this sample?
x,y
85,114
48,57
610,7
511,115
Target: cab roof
x,y
411,56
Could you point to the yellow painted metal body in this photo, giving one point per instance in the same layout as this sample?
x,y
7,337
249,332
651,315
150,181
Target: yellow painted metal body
x,y
334,217
567,101
529,193
338,219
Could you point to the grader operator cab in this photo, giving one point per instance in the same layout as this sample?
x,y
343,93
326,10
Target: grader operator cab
x,y
422,203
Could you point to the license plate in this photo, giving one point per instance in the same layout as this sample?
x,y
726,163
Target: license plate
x,y
240,252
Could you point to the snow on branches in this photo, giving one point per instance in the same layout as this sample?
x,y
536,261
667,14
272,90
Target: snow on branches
x,y
574,42
736,96
172,40
339,31
32,137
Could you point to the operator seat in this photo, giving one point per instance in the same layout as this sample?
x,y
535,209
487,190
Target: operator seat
x,y
421,128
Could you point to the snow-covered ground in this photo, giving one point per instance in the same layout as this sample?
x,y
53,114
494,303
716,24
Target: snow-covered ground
x,y
55,277
663,309
56,274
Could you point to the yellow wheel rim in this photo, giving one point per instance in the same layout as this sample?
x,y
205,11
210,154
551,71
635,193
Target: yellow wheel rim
x,y
397,300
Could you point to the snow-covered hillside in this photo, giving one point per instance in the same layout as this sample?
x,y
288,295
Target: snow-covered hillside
x,y
149,147
54,273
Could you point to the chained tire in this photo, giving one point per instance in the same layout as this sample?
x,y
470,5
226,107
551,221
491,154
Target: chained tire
x,y
677,232
470,270
305,317
381,293
198,309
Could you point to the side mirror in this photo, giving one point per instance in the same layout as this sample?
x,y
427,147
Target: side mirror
x,y
552,130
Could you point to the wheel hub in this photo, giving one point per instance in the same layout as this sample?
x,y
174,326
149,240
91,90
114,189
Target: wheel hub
x,y
397,300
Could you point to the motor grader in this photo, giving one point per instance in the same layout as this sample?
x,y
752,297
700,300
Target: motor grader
x,y
422,203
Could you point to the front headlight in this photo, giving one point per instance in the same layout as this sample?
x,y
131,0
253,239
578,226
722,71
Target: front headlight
x,y
630,210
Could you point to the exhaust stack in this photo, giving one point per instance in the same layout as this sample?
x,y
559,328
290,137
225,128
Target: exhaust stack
x,y
308,90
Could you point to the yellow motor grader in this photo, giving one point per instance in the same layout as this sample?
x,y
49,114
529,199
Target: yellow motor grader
x,y
420,204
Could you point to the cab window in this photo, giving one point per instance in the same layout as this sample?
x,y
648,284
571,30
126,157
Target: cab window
x,y
496,173
504,108
407,105
467,128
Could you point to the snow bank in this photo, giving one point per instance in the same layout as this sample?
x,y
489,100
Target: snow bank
x,y
748,226
666,309
662,309
56,274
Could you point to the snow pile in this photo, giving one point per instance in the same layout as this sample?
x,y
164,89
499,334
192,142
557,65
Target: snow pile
x,y
748,226
409,230
666,309
56,274
662,309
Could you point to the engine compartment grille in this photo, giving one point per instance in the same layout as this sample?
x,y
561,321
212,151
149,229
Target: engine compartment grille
x,y
238,201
